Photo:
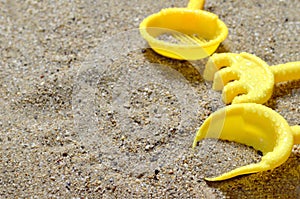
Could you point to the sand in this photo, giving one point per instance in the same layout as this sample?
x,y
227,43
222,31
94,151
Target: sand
x,y
87,110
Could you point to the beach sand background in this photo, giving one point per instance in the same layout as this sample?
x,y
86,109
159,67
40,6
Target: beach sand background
x,y
87,110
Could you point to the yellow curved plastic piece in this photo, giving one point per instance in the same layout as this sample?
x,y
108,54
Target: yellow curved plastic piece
x,y
254,125
197,33
246,78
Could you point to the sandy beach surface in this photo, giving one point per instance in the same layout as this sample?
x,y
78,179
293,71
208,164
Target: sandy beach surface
x,y
88,110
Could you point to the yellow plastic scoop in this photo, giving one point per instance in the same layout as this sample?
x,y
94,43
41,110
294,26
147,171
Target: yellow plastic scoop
x,y
254,125
246,78
184,33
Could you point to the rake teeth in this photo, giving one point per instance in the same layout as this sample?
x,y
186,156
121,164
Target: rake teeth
x,y
232,90
224,76
210,70
215,63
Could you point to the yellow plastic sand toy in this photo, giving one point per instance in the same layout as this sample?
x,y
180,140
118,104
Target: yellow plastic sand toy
x,y
246,78
184,33
254,125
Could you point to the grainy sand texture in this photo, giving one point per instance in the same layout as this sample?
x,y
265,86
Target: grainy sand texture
x,y
88,110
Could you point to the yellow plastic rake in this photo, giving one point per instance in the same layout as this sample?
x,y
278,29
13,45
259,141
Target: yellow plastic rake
x,y
246,78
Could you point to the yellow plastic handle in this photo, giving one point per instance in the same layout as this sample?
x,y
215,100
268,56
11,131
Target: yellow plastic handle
x,y
296,133
196,4
286,72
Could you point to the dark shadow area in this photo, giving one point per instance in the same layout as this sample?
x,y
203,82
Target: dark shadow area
x,y
186,68
282,90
